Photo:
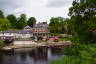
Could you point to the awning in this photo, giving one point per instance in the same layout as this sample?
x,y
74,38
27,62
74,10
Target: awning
x,y
55,38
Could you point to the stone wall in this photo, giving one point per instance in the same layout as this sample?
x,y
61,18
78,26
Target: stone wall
x,y
23,43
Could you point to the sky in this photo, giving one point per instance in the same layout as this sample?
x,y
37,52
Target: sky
x,y
42,10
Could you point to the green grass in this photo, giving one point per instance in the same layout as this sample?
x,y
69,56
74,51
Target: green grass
x,y
65,60
64,39
80,54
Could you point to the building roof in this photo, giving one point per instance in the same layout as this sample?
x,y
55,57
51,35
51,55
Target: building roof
x,y
41,25
8,31
17,31
27,27
24,31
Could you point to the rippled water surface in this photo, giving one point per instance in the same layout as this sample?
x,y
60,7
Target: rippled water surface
x,y
30,56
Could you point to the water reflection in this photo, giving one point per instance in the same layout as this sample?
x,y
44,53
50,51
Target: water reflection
x,y
30,56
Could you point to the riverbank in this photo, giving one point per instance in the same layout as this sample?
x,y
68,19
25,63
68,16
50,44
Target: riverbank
x,y
79,54
39,44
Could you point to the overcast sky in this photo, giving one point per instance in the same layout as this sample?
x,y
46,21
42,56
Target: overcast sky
x,y
43,10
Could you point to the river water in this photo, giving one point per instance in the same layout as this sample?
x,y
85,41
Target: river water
x,y
30,56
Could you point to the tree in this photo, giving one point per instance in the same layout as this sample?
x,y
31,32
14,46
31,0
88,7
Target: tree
x,y
54,25
83,20
4,24
1,14
13,20
22,21
57,25
86,8
31,21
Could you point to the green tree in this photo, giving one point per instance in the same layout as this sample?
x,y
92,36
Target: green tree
x,y
22,21
4,24
31,21
13,20
83,20
57,25
1,14
54,25
82,26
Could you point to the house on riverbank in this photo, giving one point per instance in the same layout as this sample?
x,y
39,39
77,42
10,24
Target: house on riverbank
x,y
15,34
38,30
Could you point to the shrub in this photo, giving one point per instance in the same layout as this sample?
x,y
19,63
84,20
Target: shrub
x,y
79,54
1,43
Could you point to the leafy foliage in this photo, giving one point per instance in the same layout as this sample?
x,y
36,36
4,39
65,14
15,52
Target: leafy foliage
x,y
80,54
82,26
13,21
56,25
4,24
22,21
83,20
18,23
66,60
1,14
31,21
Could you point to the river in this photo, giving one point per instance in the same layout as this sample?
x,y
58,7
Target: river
x,y
30,56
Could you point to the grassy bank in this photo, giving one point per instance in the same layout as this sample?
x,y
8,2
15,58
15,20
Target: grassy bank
x,y
79,54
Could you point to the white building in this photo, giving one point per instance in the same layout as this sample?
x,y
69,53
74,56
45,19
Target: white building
x,y
16,34
38,30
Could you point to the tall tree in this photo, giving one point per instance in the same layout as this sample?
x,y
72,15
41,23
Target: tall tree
x,y
13,20
22,21
56,25
83,20
31,21
1,14
4,24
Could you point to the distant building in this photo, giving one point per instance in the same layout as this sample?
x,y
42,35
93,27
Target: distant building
x,y
40,29
7,34
26,34
15,34
27,28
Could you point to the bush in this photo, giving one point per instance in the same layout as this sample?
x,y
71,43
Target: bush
x,y
32,38
79,54
1,43
66,60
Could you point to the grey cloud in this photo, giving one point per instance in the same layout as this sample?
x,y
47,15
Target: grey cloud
x,y
58,3
35,7
8,6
